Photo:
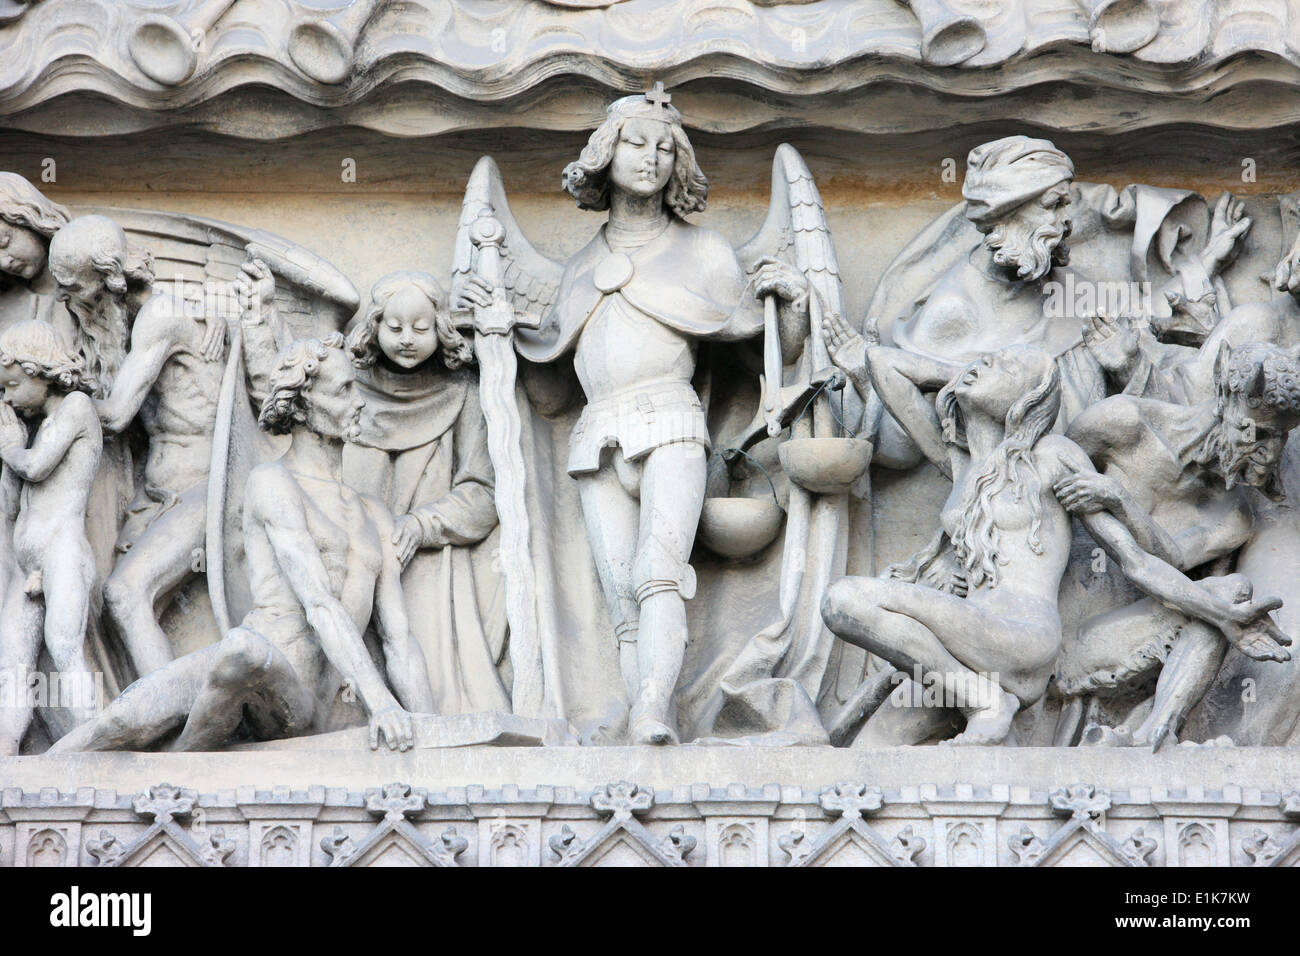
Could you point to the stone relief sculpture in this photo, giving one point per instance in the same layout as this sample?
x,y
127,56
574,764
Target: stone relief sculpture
x,y
422,449
996,613
366,558
639,450
1198,470
321,560
28,220
50,570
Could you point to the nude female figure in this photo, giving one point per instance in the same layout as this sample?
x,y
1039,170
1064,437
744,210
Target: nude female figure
x,y
43,381
992,633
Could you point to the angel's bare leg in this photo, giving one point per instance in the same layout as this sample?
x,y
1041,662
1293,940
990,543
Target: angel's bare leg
x,y
247,669
68,576
672,496
610,513
903,622
20,642
157,563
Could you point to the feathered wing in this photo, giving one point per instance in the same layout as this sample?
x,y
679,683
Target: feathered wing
x,y
774,684
531,279
312,297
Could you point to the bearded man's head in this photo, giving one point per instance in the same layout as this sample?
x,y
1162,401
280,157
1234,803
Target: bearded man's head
x,y
1017,193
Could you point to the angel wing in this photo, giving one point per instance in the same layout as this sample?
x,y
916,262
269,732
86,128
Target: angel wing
x,y
795,231
312,296
531,279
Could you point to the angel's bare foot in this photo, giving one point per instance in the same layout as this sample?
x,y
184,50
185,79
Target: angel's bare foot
x,y
988,725
1095,735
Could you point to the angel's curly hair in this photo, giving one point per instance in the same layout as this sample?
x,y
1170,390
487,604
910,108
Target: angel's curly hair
x,y
22,204
36,348
363,339
296,368
586,179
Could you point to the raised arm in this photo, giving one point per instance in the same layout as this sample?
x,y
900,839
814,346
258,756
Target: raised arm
x,y
404,659
265,332
276,503
1246,625
52,442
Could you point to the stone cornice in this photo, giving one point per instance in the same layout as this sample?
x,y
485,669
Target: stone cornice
x,y
266,69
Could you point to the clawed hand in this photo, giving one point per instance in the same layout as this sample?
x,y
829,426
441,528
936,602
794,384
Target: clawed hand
x,y
1254,633
393,724
1086,493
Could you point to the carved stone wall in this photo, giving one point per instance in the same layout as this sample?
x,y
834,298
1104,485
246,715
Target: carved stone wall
x,y
340,137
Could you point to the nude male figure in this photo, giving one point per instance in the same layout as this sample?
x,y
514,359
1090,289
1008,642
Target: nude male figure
x,y
51,557
170,378
321,563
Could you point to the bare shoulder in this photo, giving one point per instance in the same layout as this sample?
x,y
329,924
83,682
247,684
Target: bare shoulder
x,y
1114,420
1057,456
271,492
160,319
78,407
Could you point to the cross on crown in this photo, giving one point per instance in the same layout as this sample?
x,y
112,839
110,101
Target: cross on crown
x,y
657,97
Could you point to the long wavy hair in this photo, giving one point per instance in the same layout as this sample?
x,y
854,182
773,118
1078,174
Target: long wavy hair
x,y
977,539
22,204
363,339
586,179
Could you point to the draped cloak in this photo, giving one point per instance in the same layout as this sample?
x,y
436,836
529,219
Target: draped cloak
x,y
423,452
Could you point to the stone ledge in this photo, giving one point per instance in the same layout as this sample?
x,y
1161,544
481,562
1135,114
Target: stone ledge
x,y
637,807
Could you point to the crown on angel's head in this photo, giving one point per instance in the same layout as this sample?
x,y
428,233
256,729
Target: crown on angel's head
x,y
654,104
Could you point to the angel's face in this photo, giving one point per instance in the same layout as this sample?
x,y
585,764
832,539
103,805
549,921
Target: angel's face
x,y
407,333
643,157
22,251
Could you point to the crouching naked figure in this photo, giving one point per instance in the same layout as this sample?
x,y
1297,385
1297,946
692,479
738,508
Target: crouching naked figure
x,y
321,561
44,382
992,632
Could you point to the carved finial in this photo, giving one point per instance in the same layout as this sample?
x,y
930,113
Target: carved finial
x,y
395,801
1139,846
623,799
1081,800
908,845
854,799
164,802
